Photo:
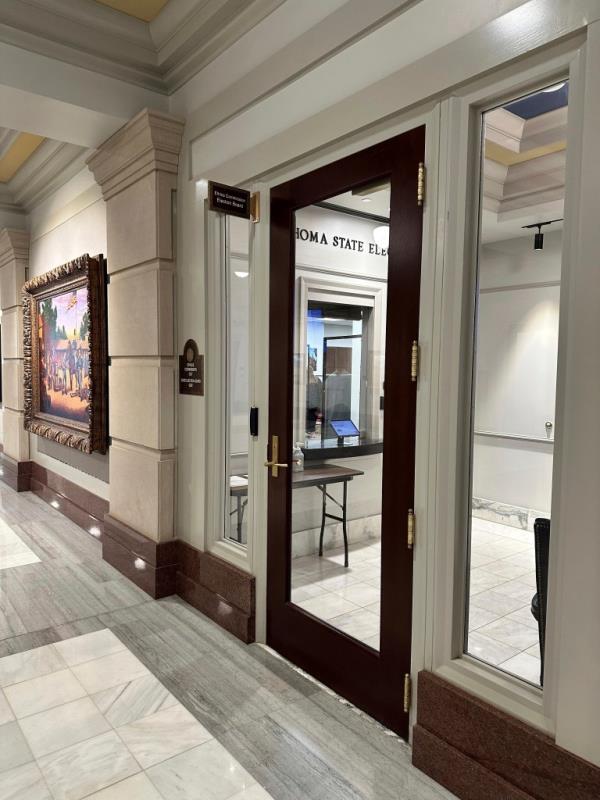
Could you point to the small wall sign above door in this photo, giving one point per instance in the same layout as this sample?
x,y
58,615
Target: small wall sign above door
x,y
229,200
191,370
234,201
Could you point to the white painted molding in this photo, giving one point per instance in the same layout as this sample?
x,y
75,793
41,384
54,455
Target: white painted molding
x,y
7,202
504,128
533,25
158,56
14,246
7,138
46,170
51,166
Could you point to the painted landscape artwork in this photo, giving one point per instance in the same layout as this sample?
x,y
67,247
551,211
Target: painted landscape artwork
x,y
64,355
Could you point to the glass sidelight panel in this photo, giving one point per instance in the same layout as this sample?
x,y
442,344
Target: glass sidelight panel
x,y
516,346
237,293
339,359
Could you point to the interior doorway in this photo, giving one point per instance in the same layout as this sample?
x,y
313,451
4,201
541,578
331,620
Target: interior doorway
x,y
344,306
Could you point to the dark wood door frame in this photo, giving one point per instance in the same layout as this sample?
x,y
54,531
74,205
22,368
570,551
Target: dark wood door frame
x,y
373,681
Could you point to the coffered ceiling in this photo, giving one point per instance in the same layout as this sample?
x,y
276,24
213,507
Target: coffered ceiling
x,y
15,149
156,44
32,167
524,166
146,10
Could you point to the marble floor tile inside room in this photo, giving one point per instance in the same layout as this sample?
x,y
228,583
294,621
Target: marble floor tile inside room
x,y
502,630
108,694
349,598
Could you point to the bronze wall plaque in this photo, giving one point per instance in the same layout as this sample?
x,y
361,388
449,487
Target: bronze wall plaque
x,y
229,200
191,370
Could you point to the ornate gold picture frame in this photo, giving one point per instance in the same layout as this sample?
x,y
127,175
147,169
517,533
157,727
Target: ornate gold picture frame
x,y
65,354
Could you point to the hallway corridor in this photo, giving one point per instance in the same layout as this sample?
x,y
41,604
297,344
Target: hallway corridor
x,y
107,694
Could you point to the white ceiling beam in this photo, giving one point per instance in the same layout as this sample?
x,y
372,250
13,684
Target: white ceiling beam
x,y
63,102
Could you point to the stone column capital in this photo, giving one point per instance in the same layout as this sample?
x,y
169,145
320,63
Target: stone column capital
x,y
14,246
149,142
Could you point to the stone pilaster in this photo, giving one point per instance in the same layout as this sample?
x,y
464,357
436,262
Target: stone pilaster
x,y
137,171
14,259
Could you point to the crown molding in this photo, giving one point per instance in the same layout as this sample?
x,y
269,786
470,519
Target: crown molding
x,y
14,246
159,56
45,171
192,41
7,139
7,202
524,186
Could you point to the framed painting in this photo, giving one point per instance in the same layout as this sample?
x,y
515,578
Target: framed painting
x,y
65,350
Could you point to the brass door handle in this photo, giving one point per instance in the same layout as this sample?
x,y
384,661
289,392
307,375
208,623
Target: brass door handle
x,y
274,464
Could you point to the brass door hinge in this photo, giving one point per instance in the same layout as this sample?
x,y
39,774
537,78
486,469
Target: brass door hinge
x,y
414,361
411,529
421,184
255,207
407,693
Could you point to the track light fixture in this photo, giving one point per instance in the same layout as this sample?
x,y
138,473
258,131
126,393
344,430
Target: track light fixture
x,y
538,239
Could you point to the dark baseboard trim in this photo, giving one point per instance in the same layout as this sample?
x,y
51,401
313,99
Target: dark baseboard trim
x,y
79,505
476,750
16,474
218,589
150,565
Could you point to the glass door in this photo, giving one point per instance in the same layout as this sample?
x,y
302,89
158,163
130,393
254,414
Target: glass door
x,y
345,275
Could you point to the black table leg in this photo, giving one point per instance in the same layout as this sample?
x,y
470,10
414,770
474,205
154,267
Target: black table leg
x,y
323,515
239,518
345,503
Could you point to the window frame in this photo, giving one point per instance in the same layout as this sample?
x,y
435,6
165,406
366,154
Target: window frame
x,y
452,375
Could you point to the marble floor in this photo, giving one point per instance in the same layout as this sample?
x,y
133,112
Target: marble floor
x,y
103,687
84,717
502,630
13,550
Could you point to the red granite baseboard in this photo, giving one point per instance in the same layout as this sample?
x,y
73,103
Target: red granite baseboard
x,y
477,751
150,565
463,776
79,505
16,474
218,589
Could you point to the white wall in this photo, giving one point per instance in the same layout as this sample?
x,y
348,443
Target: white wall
x,y
68,224
517,346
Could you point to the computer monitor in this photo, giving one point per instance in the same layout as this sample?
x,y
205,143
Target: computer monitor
x,y
344,427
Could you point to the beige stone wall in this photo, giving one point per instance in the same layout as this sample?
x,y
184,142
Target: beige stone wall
x,y
14,255
137,171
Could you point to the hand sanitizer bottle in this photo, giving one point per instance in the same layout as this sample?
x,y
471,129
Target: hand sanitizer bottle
x,y
297,458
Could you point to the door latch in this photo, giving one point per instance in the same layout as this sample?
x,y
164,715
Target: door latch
x,y
274,465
